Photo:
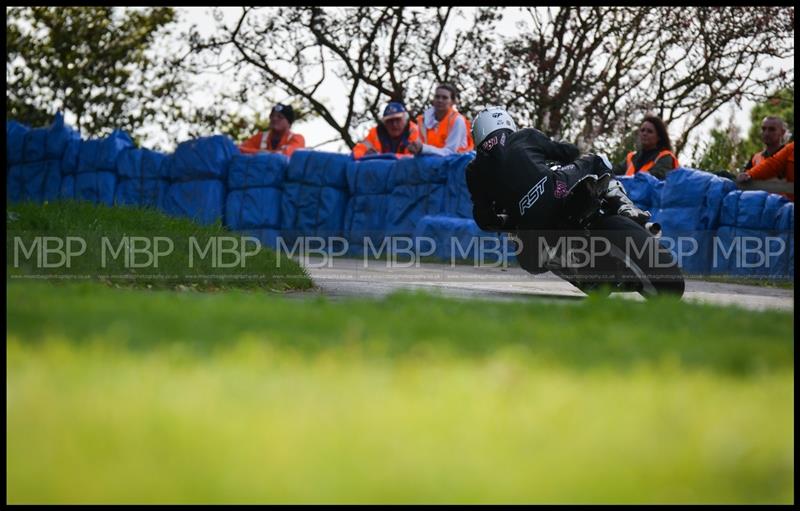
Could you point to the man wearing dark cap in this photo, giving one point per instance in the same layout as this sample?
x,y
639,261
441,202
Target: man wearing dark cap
x,y
279,138
392,135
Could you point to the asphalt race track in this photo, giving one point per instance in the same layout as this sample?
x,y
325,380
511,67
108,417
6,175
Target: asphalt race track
x,y
344,277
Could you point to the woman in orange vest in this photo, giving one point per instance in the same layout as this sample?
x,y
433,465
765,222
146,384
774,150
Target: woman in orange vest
x,y
781,165
655,154
279,138
393,135
443,131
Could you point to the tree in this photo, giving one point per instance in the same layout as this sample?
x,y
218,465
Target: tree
x,y
723,152
726,150
590,73
98,63
378,54
579,73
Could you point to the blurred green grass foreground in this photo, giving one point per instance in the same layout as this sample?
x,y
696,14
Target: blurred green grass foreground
x,y
132,395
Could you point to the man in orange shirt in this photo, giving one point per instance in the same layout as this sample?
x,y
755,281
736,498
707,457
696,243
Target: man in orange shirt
x,y
393,135
773,130
781,165
279,138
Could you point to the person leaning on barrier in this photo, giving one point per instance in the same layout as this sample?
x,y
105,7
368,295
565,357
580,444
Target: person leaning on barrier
x,y
443,131
654,155
393,135
773,129
780,166
279,138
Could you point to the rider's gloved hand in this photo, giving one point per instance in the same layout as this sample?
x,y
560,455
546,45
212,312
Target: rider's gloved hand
x,y
617,198
638,215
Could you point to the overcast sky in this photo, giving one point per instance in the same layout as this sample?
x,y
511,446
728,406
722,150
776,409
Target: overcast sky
x,y
317,131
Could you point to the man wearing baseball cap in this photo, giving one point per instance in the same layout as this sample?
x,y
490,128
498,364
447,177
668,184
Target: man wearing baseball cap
x,y
279,138
392,135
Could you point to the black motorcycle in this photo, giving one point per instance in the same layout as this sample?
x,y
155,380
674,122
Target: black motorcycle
x,y
599,251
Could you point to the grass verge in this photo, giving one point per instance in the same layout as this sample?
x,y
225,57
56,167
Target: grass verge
x,y
138,247
240,397
748,281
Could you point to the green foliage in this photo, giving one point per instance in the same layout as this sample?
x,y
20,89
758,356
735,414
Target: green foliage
x,y
218,119
574,72
780,104
725,150
722,152
101,64
627,144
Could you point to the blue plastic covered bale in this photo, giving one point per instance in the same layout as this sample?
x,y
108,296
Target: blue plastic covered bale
x,y
319,168
749,252
417,187
202,200
96,187
365,218
315,194
458,239
458,201
691,201
752,240
141,192
257,170
369,177
34,145
253,208
643,189
100,155
751,209
407,204
71,158
67,189
59,136
15,142
203,158
37,182
141,164
38,144
695,188
312,210
365,212
785,229
689,243
142,178
419,170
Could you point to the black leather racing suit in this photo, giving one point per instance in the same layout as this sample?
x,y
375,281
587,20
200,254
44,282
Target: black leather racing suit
x,y
510,175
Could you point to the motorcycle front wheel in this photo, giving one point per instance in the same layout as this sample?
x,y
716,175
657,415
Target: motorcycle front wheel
x,y
628,259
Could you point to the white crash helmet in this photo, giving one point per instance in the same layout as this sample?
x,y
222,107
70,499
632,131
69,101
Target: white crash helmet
x,y
491,119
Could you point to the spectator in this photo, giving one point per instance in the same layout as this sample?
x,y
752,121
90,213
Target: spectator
x,y
781,165
279,138
393,135
443,131
773,129
655,151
